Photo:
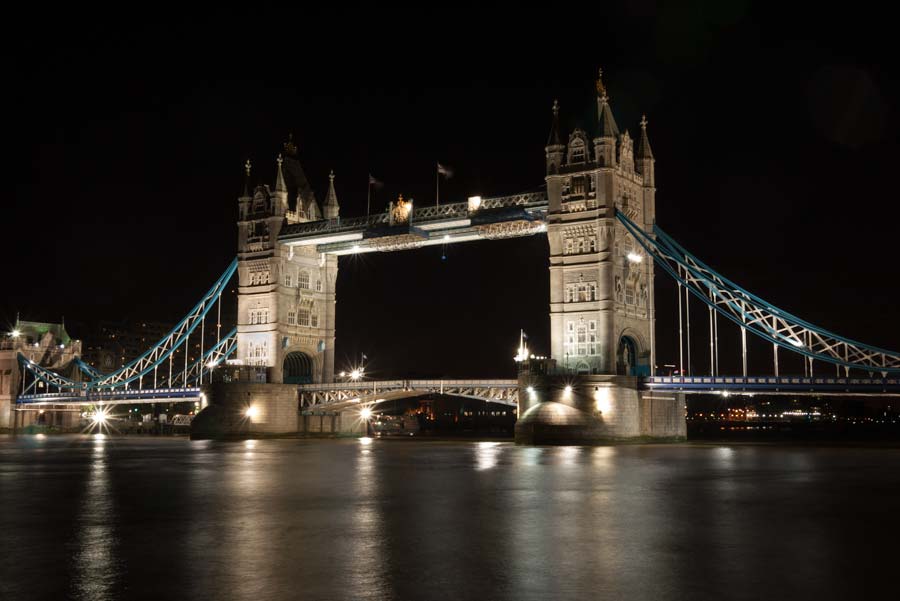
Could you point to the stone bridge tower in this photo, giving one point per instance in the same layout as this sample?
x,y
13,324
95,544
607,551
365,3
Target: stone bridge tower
x,y
286,294
601,294
601,281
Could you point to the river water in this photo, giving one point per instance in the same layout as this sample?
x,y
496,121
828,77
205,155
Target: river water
x,y
98,518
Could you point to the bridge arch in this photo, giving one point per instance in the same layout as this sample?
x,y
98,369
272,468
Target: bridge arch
x,y
297,368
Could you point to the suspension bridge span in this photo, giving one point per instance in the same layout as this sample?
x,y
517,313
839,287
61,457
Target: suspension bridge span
x,y
600,379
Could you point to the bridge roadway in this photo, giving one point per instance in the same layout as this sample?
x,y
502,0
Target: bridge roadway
x,y
339,395
780,385
335,397
113,397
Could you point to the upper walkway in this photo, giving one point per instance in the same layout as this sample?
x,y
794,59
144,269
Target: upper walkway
x,y
477,219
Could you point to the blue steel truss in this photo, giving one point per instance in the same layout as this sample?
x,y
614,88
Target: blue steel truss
x,y
755,314
209,361
146,363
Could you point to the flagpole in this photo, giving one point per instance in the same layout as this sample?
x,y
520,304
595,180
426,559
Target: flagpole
x,y
437,187
369,196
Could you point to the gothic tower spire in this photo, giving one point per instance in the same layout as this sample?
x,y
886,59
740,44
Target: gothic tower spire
x,y
331,203
281,191
555,148
608,131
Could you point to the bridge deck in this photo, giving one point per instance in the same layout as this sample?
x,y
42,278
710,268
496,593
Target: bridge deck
x,y
775,385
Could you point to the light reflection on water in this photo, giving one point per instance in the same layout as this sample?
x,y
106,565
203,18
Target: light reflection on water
x,y
95,563
139,518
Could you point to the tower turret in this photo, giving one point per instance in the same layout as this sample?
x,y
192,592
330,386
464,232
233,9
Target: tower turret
x,y
555,149
245,197
644,164
332,209
281,192
608,131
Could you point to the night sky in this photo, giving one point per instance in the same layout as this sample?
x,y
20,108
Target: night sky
x,y
775,135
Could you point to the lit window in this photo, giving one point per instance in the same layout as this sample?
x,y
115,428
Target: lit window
x,y
578,185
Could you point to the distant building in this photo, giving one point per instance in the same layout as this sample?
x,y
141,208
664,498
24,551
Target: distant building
x,y
113,344
47,344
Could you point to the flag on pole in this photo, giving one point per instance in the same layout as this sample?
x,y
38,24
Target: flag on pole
x,y
375,182
445,171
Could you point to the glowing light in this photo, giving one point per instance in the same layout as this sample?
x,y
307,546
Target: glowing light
x,y
356,248
62,346
474,203
795,342
635,257
446,236
602,400
15,333
365,412
365,440
530,389
568,389
212,364
99,417
251,411
342,374
356,374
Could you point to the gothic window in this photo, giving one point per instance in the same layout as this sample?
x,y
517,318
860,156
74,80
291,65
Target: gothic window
x,y
292,318
593,291
314,319
578,185
318,285
571,326
629,294
578,154
592,347
569,293
592,244
593,325
569,246
581,337
581,245
304,280
288,280
304,317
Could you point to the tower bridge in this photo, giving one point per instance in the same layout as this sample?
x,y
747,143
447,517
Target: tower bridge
x,y
598,211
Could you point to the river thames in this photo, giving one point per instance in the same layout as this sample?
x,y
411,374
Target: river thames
x,y
98,518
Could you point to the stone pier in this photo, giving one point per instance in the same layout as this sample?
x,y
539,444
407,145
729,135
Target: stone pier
x,y
591,409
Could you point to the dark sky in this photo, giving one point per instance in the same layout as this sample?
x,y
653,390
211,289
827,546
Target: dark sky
x,y
776,139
